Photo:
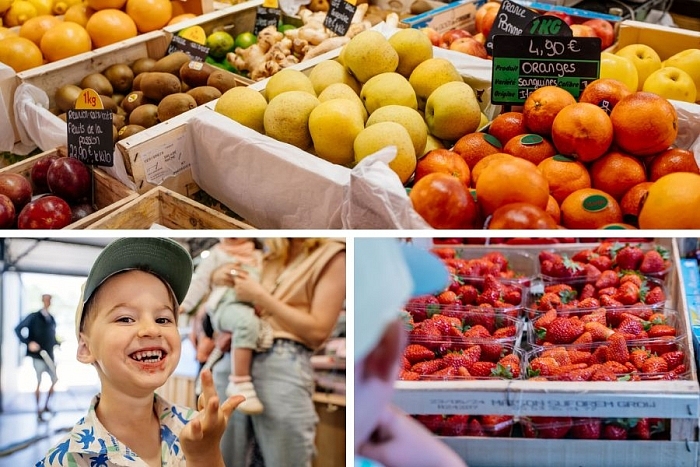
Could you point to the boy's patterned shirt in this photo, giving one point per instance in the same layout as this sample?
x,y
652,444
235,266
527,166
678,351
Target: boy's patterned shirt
x,y
89,444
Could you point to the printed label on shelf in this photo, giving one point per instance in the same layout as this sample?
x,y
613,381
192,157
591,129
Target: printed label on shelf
x,y
168,160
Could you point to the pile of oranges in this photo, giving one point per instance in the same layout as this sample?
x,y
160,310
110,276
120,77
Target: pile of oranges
x,y
606,161
83,26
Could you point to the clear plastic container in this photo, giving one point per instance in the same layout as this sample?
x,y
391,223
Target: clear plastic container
x,y
656,429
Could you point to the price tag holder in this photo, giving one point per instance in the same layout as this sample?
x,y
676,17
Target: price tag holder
x,y
267,14
195,50
90,138
511,20
339,16
524,63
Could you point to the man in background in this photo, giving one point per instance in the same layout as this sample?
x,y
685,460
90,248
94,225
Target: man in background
x,y
38,331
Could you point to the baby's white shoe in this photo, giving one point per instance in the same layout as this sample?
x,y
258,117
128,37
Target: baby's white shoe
x,y
251,405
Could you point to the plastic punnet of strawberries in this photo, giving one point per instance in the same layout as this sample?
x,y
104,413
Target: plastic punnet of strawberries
x,y
468,425
595,428
466,263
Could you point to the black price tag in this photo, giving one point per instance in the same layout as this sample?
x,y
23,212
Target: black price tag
x,y
90,138
511,20
195,50
265,17
339,16
525,63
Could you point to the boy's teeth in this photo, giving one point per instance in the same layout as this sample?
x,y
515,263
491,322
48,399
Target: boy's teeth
x,y
147,355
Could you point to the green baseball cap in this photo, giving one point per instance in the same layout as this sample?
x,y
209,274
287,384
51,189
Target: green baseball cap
x,y
163,257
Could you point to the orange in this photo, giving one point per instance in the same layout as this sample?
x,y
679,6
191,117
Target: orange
x,y
19,53
507,125
618,226
672,160
565,175
605,93
483,163
542,105
79,13
553,209
583,131
511,181
475,146
673,203
617,172
65,40
109,26
589,208
521,216
631,201
7,32
34,28
149,15
533,148
178,7
182,17
105,4
644,123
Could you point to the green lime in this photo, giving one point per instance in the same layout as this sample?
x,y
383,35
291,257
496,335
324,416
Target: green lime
x,y
245,40
223,64
285,27
220,43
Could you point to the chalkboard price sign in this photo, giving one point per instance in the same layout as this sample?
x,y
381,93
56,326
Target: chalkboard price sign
x,y
90,138
196,51
265,17
525,63
339,16
511,20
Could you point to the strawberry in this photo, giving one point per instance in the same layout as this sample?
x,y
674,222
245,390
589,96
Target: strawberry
x,y
429,367
558,289
512,363
444,252
586,428
491,282
607,279
655,364
609,291
497,258
547,267
629,257
632,277
614,431
545,255
465,358
405,364
587,291
427,333
653,262
658,330
491,350
655,295
507,331
598,331
475,428
433,423
591,273
588,302
467,294
448,373
627,293
638,356
583,256
455,425
545,320
447,324
641,429
679,370
552,427
604,374
605,249
564,330
630,326
490,296
598,316
543,366
662,345
482,369
422,308
602,263
513,296
673,359
477,332
482,316
448,297
656,318
415,353
609,302
559,354
599,355
497,425
585,338
579,356
408,376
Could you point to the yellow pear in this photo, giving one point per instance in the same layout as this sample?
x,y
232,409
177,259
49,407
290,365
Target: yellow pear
x,y
288,79
368,54
286,118
432,143
620,68
431,74
329,72
333,125
452,111
413,47
342,90
689,61
383,134
408,118
644,58
386,89
672,83
244,105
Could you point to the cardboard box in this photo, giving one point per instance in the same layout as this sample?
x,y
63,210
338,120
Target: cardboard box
x,y
110,194
456,15
167,209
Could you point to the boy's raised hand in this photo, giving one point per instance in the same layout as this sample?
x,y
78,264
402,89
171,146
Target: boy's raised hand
x,y
201,437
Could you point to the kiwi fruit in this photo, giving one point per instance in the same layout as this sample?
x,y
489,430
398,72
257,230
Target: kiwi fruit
x,y
133,100
145,115
143,65
195,73
109,104
118,98
128,130
115,133
136,85
175,104
172,63
121,111
156,85
204,94
222,80
118,121
120,76
99,83
66,96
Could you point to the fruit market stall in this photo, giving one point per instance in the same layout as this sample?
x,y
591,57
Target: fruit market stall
x,y
500,396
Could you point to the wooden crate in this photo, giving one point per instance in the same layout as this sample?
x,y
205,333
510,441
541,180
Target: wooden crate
x,y
110,193
676,400
233,18
666,41
168,209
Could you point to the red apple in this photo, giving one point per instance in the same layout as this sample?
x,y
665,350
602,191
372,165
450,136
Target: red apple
x,y
485,16
560,14
448,37
602,29
17,188
38,173
469,45
69,178
47,212
432,34
81,210
581,30
444,202
7,212
480,38
444,161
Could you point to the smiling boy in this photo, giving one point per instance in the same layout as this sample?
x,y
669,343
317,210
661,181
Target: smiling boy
x,y
126,326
